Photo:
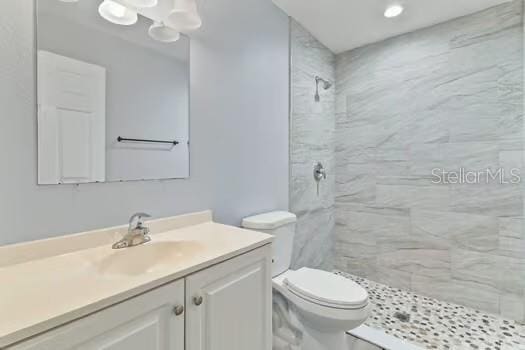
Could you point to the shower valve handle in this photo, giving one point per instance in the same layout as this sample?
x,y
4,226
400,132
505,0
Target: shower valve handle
x,y
319,174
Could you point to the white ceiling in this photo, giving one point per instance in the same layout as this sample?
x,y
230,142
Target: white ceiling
x,y
342,25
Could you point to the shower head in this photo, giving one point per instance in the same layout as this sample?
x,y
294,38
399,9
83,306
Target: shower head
x,y
326,85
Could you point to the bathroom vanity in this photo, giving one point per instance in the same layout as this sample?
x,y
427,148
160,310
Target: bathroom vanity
x,y
197,285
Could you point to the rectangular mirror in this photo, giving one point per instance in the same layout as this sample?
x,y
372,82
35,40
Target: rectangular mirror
x,y
113,103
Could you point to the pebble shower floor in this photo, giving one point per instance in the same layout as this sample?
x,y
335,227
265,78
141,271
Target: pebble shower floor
x,y
434,324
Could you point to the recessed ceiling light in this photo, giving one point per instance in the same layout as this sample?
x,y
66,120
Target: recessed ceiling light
x,y
393,11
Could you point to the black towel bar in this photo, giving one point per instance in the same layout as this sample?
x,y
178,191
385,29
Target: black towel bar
x,y
124,139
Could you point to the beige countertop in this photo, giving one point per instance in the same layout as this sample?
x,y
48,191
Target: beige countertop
x,y
43,291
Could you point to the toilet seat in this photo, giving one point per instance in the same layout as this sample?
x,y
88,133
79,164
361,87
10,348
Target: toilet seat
x,y
326,289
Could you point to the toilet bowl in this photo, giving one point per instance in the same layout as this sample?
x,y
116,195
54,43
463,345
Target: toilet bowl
x,y
323,306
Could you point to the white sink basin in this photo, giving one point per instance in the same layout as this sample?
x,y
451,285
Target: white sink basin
x,y
146,258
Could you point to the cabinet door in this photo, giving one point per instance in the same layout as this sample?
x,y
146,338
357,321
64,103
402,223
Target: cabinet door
x,y
235,310
146,322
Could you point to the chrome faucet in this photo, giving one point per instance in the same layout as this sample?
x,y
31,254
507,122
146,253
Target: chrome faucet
x,y
137,235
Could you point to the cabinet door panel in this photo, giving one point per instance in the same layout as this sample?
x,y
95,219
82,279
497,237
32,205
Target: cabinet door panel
x,y
146,322
235,313
147,332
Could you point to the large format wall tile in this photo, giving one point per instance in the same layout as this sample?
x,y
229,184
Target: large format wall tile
x,y
435,197
312,139
501,272
456,230
487,199
445,97
468,293
314,239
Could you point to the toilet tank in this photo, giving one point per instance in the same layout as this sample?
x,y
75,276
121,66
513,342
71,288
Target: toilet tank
x,y
281,225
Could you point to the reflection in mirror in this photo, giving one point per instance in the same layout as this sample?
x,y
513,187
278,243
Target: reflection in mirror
x,y
113,102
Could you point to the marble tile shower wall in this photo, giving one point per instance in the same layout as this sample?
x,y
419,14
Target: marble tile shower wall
x,y
312,139
449,97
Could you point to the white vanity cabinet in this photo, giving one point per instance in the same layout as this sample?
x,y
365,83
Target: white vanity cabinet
x,y
224,307
146,322
229,306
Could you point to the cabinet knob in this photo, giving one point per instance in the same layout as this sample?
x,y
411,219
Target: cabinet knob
x,y
197,300
178,310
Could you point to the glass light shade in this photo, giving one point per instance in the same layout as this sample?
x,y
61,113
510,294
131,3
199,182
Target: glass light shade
x,y
117,13
161,32
142,3
184,17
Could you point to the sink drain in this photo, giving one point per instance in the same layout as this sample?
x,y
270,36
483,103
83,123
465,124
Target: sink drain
x,y
402,316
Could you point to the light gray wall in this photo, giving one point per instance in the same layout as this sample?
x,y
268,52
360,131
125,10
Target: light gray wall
x,y
146,95
449,96
239,130
312,140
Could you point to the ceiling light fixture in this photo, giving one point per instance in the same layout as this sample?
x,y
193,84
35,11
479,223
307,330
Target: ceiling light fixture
x,y
117,13
160,32
142,3
184,17
393,11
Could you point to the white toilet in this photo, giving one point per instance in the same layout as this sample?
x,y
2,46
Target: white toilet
x,y
323,304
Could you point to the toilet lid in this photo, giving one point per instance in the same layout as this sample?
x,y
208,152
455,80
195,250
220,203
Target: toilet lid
x,y
325,288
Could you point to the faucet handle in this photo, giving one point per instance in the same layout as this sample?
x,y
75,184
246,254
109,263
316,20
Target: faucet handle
x,y
319,172
139,217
